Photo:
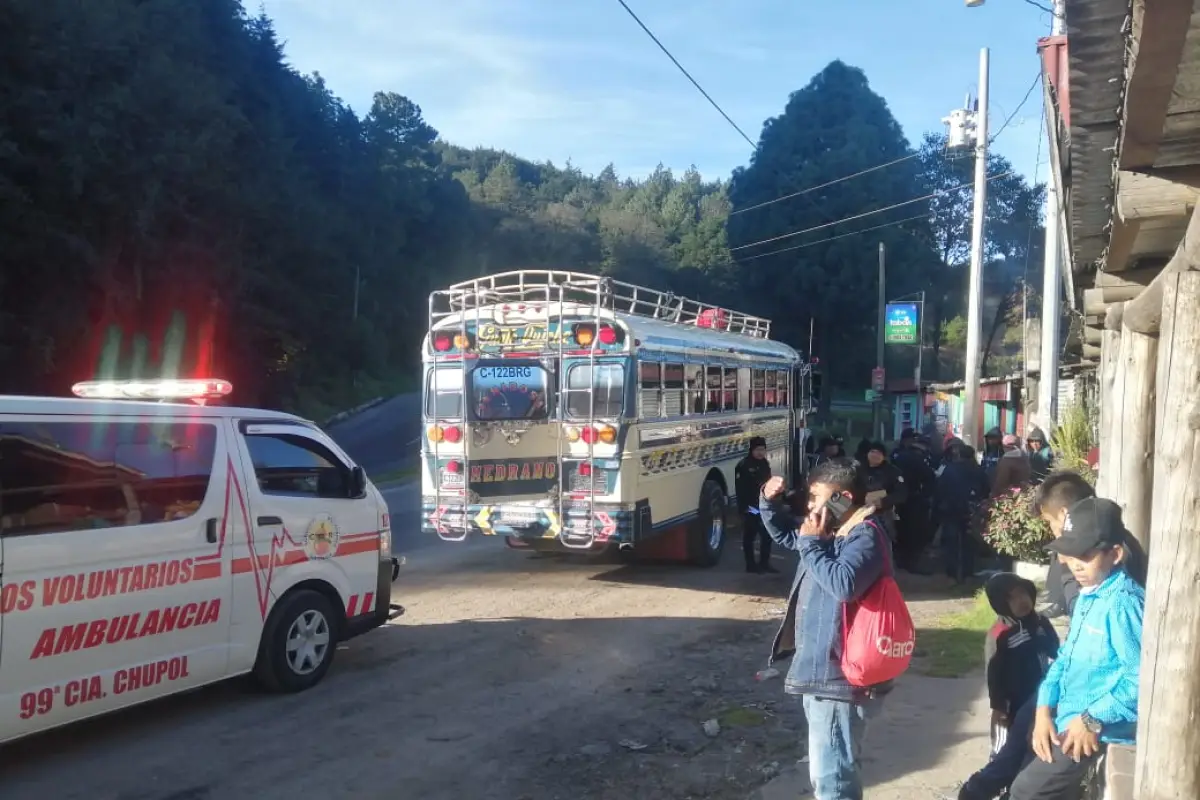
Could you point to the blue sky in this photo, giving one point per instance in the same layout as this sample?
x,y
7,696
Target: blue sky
x,y
578,80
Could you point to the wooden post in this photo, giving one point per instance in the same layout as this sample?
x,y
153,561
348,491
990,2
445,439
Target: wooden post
x,y
1132,435
1168,751
1110,351
1143,313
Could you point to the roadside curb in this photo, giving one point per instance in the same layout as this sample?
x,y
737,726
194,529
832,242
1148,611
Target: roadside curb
x,y
342,416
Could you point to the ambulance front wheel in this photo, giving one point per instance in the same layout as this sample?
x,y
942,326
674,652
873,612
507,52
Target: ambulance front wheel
x,y
706,538
298,642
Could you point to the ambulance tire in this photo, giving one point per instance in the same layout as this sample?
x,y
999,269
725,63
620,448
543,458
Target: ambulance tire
x,y
303,607
706,536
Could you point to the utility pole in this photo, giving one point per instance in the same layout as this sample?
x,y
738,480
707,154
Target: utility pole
x,y
357,284
920,355
877,408
975,288
1051,279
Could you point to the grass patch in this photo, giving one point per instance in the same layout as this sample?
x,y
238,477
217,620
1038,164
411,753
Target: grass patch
x,y
741,717
406,473
953,645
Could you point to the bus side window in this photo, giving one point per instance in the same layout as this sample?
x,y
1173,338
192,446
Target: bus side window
x,y
649,390
713,383
731,394
758,396
673,391
784,379
694,388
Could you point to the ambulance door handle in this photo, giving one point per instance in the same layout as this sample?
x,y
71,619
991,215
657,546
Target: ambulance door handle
x,y
269,521
210,530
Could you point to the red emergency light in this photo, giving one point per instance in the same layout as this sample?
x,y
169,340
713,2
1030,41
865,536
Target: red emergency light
x,y
197,389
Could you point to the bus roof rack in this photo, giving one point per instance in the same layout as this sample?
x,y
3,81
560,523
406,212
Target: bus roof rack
x,y
555,286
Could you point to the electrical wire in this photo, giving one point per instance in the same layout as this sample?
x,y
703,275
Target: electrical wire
x,y
1041,7
838,236
822,226
1037,79
687,74
810,189
827,183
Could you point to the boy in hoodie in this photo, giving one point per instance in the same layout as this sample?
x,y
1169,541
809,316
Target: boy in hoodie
x,y
1018,649
1041,457
1089,697
749,476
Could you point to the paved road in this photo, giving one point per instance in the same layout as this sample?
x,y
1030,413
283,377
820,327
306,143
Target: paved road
x,y
404,505
383,438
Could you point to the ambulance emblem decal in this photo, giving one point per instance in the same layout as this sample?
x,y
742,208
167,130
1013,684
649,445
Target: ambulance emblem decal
x,y
321,541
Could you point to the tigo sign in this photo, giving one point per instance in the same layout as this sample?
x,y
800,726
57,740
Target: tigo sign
x,y
900,326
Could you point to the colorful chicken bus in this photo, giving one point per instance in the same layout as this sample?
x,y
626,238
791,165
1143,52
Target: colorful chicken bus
x,y
571,412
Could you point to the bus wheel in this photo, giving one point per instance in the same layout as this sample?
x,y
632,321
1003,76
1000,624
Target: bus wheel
x,y
706,539
298,643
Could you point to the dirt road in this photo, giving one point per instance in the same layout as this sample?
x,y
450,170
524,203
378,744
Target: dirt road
x,y
515,678
510,677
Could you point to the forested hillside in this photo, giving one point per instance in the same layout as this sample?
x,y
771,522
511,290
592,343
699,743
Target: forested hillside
x,y
176,199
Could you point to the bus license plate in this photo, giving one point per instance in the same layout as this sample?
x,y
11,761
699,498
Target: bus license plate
x,y
520,517
452,480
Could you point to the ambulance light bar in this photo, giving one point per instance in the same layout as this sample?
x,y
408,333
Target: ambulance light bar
x,y
201,389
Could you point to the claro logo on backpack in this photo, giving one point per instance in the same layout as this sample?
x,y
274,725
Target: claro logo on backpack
x,y
887,647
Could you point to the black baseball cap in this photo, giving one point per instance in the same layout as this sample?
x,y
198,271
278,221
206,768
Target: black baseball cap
x,y
1093,523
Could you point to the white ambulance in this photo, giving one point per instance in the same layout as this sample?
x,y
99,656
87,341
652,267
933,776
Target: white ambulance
x,y
148,548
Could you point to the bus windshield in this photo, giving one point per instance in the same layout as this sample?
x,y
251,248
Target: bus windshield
x,y
509,392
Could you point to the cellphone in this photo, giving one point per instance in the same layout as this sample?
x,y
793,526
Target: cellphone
x,y
838,504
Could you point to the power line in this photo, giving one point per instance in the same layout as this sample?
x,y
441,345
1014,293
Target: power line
x,y
827,183
810,189
687,74
1029,92
929,196
831,238
1041,7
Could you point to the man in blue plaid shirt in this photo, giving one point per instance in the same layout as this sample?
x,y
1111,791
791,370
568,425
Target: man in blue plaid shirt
x,y
1089,696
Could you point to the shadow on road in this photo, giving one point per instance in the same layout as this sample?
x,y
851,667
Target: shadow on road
x,y
489,709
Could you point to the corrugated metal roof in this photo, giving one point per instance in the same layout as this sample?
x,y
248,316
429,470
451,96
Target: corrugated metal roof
x,y
1096,32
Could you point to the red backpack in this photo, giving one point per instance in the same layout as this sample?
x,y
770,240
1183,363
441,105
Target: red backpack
x,y
878,632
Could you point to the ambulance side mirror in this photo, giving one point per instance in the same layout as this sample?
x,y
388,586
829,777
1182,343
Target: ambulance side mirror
x,y
358,482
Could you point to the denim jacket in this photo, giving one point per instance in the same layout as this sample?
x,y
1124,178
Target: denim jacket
x,y
832,572
1097,669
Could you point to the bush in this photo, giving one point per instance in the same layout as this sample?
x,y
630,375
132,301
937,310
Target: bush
x,y
1013,531
1073,439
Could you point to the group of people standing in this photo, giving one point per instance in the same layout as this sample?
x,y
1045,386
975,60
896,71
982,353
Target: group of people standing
x,y
1055,707
920,489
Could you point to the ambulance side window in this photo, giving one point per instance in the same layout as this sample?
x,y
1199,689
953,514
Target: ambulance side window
x,y
69,476
296,466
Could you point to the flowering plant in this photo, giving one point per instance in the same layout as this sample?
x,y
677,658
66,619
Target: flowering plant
x,y
1012,530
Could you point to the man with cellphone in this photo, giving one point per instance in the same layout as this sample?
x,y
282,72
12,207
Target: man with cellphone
x,y
841,544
